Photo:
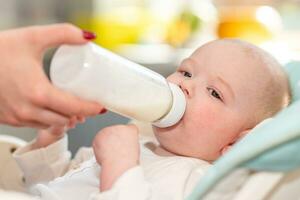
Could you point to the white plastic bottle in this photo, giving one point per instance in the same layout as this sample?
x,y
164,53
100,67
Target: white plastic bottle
x,y
122,86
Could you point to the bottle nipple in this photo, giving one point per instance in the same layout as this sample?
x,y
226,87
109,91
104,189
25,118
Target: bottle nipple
x,y
177,110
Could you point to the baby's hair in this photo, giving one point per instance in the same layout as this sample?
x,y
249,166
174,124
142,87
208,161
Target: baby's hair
x,y
277,93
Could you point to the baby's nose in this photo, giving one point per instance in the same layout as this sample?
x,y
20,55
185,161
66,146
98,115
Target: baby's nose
x,y
185,91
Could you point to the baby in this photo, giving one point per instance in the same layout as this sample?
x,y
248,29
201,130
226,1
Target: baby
x,y
230,86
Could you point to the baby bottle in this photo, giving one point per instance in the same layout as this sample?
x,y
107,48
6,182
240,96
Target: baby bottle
x,y
94,73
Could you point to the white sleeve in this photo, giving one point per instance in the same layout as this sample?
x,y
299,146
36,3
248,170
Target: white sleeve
x,y
131,185
44,164
173,184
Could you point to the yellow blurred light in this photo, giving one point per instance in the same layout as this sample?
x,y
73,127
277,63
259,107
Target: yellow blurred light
x,y
119,26
255,24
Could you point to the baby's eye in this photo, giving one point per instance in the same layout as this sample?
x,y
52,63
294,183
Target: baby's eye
x,y
186,74
214,93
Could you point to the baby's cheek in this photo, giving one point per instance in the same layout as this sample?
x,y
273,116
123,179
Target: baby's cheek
x,y
209,122
204,116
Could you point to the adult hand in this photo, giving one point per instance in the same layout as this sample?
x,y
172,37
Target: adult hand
x,y
116,149
27,97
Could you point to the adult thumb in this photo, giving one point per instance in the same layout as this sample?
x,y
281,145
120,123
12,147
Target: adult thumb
x,y
54,35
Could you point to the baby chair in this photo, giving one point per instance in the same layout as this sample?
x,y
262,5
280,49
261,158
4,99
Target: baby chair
x,y
263,165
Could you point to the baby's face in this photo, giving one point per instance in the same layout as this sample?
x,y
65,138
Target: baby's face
x,y
219,82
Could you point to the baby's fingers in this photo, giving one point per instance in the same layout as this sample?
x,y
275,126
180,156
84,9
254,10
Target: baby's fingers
x,y
81,119
72,122
57,130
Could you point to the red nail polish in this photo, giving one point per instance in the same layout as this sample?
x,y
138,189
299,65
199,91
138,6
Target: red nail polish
x,y
88,35
103,111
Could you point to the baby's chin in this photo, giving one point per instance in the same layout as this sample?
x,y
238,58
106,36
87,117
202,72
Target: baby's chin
x,y
167,130
157,130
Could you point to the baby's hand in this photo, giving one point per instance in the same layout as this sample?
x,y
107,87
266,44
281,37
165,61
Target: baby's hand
x,y
116,149
48,136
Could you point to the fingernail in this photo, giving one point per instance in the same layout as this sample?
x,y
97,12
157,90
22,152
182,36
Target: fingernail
x,y
88,35
103,111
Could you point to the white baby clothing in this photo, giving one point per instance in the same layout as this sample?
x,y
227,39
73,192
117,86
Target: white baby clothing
x,y
50,174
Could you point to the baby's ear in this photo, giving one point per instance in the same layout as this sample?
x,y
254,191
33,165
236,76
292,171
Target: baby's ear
x,y
238,138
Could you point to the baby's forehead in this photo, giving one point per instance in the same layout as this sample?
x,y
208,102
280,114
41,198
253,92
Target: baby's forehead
x,y
240,64
220,56
228,47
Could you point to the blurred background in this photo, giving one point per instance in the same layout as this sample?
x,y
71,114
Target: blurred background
x,y
158,34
